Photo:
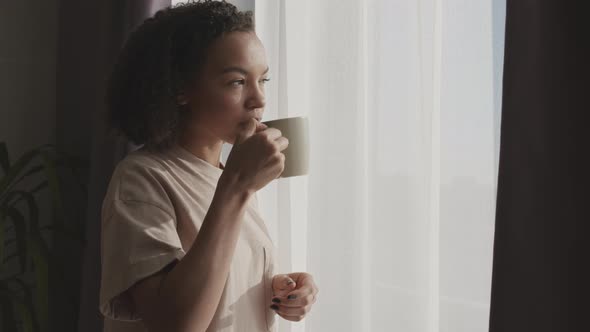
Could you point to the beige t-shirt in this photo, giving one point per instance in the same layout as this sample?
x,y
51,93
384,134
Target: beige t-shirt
x,y
151,214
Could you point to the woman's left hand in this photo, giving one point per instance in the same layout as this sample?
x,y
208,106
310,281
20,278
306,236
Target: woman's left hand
x,y
294,294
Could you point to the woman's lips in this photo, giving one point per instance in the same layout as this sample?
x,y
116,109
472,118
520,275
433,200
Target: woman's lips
x,y
247,120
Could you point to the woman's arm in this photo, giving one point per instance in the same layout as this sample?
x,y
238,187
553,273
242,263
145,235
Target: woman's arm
x,y
186,297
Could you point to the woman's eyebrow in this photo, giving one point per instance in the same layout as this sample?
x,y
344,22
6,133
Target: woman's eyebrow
x,y
239,69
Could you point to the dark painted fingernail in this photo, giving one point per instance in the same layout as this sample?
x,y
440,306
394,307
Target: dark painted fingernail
x,y
274,307
291,297
275,300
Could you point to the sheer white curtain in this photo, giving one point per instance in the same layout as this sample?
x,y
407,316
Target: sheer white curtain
x,y
396,218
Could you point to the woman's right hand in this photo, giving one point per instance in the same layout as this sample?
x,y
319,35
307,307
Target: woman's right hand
x,y
256,157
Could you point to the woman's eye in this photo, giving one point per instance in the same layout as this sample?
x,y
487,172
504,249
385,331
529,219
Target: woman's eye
x,y
238,82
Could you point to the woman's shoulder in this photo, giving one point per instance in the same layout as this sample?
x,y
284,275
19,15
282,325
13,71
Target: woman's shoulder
x,y
142,158
142,162
140,175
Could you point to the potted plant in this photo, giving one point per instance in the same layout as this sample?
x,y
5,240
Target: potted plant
x,y
39,258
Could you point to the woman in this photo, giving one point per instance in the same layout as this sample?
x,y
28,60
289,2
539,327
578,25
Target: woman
x,y
183,245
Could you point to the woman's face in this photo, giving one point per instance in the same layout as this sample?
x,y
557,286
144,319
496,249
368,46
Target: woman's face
x,y
230,88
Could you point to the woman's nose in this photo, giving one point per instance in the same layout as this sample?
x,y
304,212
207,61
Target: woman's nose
x,y
257,100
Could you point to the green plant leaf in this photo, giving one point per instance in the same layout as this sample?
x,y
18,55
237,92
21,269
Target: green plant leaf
x,y
40,256
33,209
4,159
31,171
20,228
7,180
26,317
26,308
18,305
39,187
71,162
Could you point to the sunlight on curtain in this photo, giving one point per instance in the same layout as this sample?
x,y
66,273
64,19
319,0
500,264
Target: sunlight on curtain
x,y
395,220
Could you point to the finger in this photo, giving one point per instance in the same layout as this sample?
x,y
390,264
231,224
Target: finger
x,y
260,126
272,133
298,301
302,277
292,314
282,284
294,318
290,311
283,281
276,161
282,143
246,130
305,288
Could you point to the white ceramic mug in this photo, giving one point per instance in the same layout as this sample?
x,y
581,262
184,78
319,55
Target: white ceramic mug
x,y
296,130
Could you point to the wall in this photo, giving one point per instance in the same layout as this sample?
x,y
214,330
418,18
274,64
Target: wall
x,y
28,39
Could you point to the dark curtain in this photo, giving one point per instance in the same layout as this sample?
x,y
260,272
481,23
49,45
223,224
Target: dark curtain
x,y
91,33
541,266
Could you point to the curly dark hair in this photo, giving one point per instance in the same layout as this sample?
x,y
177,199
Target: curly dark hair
x,y
160,58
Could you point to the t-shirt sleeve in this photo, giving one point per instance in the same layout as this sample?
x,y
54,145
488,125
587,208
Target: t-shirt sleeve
x,y
138,239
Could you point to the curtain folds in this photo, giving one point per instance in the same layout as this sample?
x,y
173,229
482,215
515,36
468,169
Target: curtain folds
x,y
541,251
396,218
97,32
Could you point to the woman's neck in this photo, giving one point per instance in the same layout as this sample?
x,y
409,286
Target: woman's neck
x,y
206,149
